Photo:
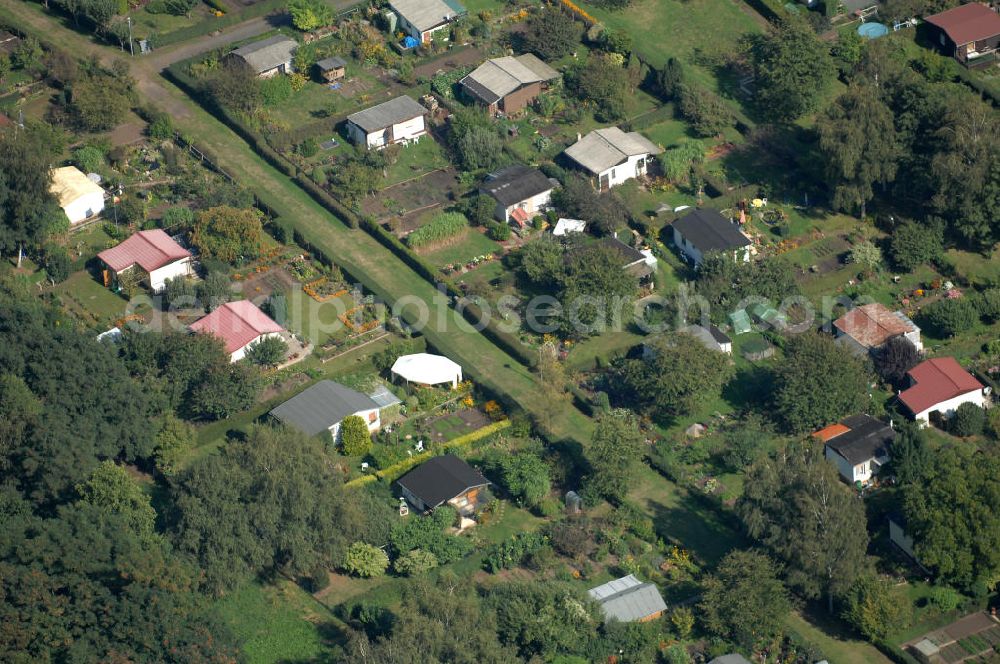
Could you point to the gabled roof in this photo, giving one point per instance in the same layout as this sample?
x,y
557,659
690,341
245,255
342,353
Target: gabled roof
x,y
497,78
935,381
69,184
731,658
321,406
236,323
871,325
427,14
387,113
967,23
327,64
514,184
150,250
858,438
267,54
709,231
711,337
602,149
628,599
441,478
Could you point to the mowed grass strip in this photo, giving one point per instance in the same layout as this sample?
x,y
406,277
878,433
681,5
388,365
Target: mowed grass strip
x,y
379,271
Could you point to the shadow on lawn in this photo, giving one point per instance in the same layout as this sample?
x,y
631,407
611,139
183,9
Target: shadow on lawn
x,y
698,526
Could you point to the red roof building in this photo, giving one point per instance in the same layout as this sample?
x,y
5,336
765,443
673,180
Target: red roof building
x,y
942,385
871,325
154,252
238,324
968,32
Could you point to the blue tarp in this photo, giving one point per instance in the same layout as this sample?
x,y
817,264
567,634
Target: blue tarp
x,y
410,42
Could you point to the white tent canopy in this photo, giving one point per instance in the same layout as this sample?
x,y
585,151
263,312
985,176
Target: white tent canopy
x,y
567,226
427,369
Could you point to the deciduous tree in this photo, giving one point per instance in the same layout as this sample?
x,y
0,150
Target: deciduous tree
x,y
614,453
743,601
354,436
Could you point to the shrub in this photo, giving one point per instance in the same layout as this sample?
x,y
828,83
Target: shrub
x,y
162,128
441,227
268,352
366,560
951,316
988,304
499,231
179,292
704,110
969,420
276,90
385,456
944,599
912,244
214,291
354,436
512,551
308,148
57,263
428,533
415,562
177,216
88,159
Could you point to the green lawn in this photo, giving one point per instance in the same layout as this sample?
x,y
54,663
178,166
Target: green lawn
x,y
278,622
835,645
318,322
145,23
415,160
89,301
470,244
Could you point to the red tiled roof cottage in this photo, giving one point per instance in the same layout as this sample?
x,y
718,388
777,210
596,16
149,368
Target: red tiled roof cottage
x,y
940,384
154,252
238,324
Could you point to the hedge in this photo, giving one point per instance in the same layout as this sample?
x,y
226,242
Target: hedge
x,y
331,204
505,340
897,655
460,444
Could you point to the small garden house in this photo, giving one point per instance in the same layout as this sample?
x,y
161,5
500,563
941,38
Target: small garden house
x,y
858,446
399,120
443,480
332,69
78,196
426,20
324,406
969,33
507,85
703,231
239,324
939,386
629,600
521,193
268,57
612,156
871,326
154,252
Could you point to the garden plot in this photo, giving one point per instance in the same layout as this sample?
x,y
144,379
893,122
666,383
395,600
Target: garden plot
x,y
401,205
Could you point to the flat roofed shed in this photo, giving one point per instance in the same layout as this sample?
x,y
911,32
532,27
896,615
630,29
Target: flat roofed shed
x,y
605,148
387,113
967,23
330,64
514,184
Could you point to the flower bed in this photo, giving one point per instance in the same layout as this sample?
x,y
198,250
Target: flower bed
x,y
369,321
324,290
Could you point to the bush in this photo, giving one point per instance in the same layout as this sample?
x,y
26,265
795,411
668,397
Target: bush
x,y
704,110
988,304
177,216
912,244
318,579
969,420
268,352
415,562
276,90
162,128
214,290
950,317
428,533
499,231
88,159
441,227
179,293
944,599
511,552
354,436
365,560
57,263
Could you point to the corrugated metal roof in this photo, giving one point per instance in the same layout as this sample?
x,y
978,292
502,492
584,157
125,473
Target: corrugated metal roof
x,y
149,250
427,14
236,323
501,76
321,406
387,113
602,149
268,53
628,599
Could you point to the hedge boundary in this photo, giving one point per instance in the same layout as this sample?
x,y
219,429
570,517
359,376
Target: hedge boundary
x,y
460,444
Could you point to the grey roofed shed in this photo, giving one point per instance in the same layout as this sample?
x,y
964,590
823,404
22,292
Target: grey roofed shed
x,y
321,406
497,78
865,438
628,599
426,14
602,149
709,231
328,64
731,658
387,113
268,53
514,184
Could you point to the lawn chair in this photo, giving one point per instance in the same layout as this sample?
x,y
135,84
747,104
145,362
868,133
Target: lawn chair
x,y
420,446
